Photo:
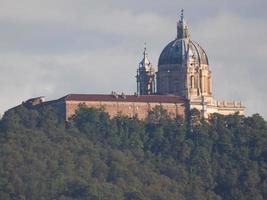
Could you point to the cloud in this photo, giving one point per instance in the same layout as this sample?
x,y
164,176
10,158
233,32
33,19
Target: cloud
x,y
53,48
237,48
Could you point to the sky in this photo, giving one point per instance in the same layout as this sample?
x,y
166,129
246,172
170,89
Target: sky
x,y
55,47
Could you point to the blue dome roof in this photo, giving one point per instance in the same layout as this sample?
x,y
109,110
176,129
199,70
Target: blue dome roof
x,y
177,52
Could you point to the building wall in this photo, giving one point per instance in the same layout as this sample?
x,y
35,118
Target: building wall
x,y
171,80
126,108
209,106
184,81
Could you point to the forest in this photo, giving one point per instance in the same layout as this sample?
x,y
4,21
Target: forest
x,y
95,157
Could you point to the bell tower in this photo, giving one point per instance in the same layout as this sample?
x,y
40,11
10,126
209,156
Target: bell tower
x,y
145,77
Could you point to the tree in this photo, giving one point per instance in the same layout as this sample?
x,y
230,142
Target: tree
x,y
96,157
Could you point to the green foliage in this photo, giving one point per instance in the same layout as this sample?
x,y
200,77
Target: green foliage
x,y
96,157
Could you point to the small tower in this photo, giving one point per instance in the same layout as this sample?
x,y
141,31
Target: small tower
x,y
145,76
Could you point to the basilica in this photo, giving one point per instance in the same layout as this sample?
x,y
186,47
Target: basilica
x,y
182,82
183,70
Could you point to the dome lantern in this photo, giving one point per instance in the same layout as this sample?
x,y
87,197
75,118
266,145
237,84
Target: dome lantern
x,y
182,27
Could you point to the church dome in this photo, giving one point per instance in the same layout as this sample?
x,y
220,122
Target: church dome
x,y
182,48
177,51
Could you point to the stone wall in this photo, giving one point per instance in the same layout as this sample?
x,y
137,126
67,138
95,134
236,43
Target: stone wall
x,y
126,108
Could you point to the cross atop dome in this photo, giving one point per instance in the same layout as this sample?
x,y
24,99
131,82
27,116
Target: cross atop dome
x,y
182,14
145,53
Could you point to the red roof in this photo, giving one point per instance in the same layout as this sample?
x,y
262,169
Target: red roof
x,y
125,98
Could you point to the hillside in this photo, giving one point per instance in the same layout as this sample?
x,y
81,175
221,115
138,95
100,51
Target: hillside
x,y
95,157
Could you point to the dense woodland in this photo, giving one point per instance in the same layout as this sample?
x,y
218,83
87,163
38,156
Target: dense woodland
x,y
99,158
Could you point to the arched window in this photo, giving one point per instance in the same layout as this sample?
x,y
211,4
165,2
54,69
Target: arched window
x,y
204,84
209,85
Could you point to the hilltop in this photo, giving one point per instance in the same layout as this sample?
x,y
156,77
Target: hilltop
x,y
94,156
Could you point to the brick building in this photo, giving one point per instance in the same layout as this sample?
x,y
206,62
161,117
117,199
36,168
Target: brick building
x,y
129,105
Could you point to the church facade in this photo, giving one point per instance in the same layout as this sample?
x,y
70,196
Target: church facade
x,y
182,82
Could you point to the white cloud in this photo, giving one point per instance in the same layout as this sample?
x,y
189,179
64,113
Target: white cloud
x,y
24,76
57,47
237,48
